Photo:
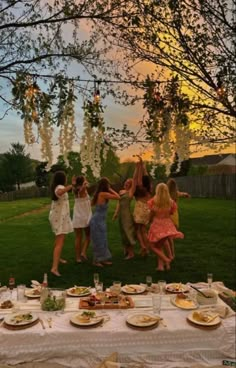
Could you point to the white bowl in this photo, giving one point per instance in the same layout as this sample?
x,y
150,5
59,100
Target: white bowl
x,y
206,301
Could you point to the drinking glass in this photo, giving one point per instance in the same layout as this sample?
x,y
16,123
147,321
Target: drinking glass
x,y
209,279
99,287
149,281
116,288
156,303
162,286
95,279
21,293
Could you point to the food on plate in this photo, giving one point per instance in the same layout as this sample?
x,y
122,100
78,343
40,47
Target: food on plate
x,y
86,316
36,292
6,304
147,319
204,316
176,288
184,302
19,318
78,290
133,289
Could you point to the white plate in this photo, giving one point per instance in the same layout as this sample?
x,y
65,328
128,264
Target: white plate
x,y
176,288
30,293
183,303
11,319
133,289
93,321
214,322
81,291
142,319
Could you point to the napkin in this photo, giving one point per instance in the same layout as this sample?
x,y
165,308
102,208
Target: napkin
x,y
3,288
113,358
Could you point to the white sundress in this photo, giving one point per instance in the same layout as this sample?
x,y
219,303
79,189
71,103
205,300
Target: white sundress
x,y
59,215
82,212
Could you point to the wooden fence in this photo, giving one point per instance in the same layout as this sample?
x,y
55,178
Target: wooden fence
x,y
32,192
208,186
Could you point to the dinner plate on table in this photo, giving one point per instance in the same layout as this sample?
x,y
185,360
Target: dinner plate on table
x,y
78,291
133,289
183,303
78,320
20,319
32,293
204,318
142,320
176,288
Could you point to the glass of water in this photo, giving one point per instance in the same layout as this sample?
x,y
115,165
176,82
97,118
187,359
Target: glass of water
x,y
95,279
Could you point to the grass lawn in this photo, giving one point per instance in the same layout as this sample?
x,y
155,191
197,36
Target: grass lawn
x,y
26,244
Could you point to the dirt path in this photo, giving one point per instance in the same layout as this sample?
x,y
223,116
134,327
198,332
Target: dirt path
x,y
28,213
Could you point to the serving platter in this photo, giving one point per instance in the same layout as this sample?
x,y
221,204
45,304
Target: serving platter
x,y
133,289
111,302
78,291
176,288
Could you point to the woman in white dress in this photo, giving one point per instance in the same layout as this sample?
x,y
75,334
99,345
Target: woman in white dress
x,y
81,216
59,216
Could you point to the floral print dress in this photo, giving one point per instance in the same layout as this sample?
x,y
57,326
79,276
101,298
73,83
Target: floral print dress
x,y
59,215
162,225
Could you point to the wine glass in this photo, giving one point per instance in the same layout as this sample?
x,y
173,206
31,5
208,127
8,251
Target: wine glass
x,y
209,279
162,285
149,282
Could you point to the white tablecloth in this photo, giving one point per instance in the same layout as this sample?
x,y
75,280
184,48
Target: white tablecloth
x,y
179,344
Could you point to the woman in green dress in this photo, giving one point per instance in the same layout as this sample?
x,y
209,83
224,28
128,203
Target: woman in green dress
x,y
126,222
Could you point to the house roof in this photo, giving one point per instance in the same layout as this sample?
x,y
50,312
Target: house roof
x,y
230,160
212,159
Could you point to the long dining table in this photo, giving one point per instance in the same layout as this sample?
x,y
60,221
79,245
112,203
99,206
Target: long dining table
x,y
175,342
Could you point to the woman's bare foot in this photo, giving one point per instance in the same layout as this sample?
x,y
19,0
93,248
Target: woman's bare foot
x,y
160,269
78,260
97,264
55,273
129,256
108,263
62,260
84,257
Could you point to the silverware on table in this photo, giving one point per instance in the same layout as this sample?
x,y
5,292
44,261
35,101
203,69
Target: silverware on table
x,y
42,323
49,320
199,291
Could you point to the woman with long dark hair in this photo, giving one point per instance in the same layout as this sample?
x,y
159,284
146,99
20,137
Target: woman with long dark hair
x,y
59,216
98,228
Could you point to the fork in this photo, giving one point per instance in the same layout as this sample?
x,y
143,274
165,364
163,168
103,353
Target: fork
x,y
49,322
42,323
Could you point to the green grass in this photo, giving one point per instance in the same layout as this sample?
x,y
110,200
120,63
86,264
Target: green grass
x,y
26,245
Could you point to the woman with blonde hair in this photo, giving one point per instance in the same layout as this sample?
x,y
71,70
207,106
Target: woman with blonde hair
x,y
162,228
